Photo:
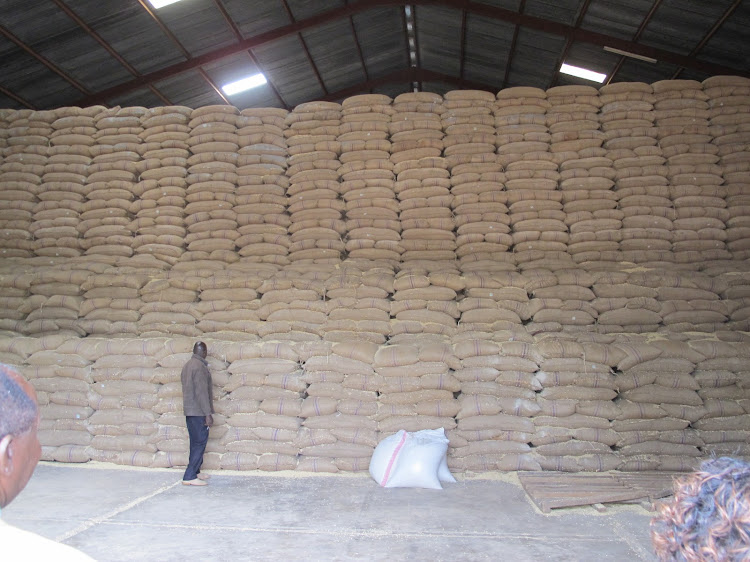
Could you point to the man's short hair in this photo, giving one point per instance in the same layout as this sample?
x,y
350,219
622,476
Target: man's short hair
x,y
17,409
709,517
198,346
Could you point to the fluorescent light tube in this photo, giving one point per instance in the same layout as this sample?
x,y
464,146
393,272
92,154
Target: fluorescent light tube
x,y
161,3
244,84
583,73
629,54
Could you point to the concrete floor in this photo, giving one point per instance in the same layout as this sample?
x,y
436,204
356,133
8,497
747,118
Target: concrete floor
x,y
117,513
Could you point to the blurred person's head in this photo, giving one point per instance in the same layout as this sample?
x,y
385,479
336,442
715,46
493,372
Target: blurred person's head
x,y
709,516
200,349
19,446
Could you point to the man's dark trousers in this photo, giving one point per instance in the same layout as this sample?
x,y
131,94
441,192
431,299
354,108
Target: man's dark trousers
x,y
198,432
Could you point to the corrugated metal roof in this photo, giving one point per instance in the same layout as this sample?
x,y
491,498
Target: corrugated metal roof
x,y
334,51
293,76
254,18
536,58
730,43
84,59
677,24
591,57
618,19
34,22
437,87
22,75
188,89
259,97
563,11
513,5
82,52
237,67
392,90
381,37
201,29
131,31
138,98
488,46
439,39
638,71
302,9
69,47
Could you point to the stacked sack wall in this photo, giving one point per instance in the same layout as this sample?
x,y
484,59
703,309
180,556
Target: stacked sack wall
x,y
558,278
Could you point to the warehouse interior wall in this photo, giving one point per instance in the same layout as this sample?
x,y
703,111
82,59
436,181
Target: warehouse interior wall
x,y
557,278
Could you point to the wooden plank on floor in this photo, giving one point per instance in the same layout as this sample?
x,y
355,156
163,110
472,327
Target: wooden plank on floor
x,y
553,490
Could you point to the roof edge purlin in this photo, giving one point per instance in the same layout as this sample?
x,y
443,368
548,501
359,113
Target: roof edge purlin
x,y
493,12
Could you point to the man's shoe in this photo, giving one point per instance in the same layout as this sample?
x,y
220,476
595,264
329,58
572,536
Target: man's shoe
x,y
204,476
194,482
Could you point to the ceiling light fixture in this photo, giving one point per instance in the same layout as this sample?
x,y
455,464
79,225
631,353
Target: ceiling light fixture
x,y
161,3
244,84
629,54
583,73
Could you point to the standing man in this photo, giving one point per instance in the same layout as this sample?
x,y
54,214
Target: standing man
x,y
19,453
198,405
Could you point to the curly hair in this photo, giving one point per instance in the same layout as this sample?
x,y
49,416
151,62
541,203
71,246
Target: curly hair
x,y
709,517
17,410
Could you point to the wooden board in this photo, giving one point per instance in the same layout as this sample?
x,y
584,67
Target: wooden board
x,y
553,490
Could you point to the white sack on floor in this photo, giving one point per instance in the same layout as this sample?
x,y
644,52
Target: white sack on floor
x,y
412,460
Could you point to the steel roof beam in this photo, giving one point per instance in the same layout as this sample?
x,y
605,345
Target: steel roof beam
x,y
183,50
18,99
568,44
99,39
512,51
358,45
211,83
405,23
271,85
165,30
45,61
463,45
583,35
238,34
485,10
638,33
305,49
703,42
416,42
